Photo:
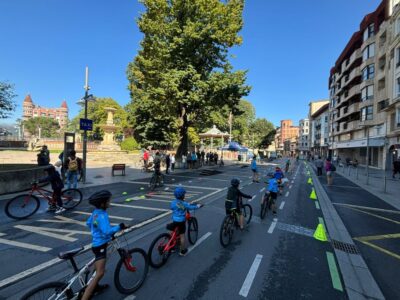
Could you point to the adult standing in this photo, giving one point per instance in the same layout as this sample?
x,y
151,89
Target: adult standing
x,y
172,162
203,154
43,157
189,160
73,166
168,163
329,168
184,163
396,167
254,169
146,158
319,164
194,159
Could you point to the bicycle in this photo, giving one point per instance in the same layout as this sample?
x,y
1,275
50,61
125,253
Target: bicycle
x,y
156,180
230,222
130,262
265,204
163,244
25,205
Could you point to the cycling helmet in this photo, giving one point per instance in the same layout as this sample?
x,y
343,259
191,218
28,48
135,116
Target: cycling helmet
x,y
99,197
235,182
50,169
179,193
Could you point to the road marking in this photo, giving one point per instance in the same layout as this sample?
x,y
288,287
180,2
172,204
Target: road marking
x,y
139,207
272,227
296,229
110,216
244,291
292,181
205,178
368,208
174,185
374,215
287,194
290,186
317,204
53,232
282,205
252,198
337,285
131,297
199,241
321,221
262,190
62,219
365,240
23,245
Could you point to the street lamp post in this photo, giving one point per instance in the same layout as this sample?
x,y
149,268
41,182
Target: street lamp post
x,y
367,166
87,88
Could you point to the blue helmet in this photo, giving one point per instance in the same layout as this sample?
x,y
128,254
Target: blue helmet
x,y
179,193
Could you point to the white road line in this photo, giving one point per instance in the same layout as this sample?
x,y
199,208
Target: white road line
x,y
290,186
287,194
174,185
262,190
110,216
138,207
282,205
292,181
244,291
23,245
272,227
199,241
252,198
205,178
130,297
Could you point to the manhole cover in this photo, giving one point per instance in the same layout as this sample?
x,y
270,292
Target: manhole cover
x,y
345,247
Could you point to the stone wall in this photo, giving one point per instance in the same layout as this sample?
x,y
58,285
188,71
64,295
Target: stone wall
x,y
8,182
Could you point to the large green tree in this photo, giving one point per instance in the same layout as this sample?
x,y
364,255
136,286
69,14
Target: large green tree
x,y
6,99
97,113
47,127
262,133
182,72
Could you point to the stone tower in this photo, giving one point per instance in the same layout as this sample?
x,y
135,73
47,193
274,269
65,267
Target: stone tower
x,y
27,108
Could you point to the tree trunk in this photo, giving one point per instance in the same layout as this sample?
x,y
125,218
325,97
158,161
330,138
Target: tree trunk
x,y
183,132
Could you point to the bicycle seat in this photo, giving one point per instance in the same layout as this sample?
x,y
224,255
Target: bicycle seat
x,y
70,253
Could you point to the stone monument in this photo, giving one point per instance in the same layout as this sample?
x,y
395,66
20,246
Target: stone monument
x,y
108,143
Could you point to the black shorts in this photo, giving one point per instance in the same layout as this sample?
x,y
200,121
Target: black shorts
x,y
100,252
274,196
181,227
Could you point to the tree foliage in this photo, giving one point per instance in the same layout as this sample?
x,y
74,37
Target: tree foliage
x,y
48,127
263,133
97,113
129,144
182,73
6,99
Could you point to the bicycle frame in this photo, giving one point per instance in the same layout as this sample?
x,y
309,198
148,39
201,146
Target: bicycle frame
x,y
174,237
43,192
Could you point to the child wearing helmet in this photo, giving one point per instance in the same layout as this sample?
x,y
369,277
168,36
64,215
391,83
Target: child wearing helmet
x,y
102,233
179,207
278,175
56,185
233,200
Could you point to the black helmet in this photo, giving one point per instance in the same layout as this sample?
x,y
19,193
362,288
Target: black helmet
x,y
50,169
235,182
99,197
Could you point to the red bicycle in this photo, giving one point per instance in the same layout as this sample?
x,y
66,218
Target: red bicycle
x,y
162,246
24,206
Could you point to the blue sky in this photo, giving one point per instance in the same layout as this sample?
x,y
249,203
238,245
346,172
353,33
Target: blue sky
x,y
289,47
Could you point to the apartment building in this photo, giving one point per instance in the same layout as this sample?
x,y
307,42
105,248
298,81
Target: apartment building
x,y
359,92
304,130
320,131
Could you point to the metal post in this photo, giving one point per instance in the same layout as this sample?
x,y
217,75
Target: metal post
x,y
86,87
230,126
367,166
357,173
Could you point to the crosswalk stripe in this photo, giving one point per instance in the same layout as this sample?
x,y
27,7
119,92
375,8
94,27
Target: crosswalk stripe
x,y
139,207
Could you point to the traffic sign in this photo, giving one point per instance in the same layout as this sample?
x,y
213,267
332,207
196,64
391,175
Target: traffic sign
x,y
85,124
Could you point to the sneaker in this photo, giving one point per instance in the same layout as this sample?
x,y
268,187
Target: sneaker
x,y
100,288
52,208
183,252
60,210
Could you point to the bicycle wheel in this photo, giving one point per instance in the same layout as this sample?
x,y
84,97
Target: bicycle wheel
x,y
153,182
47,291
22,206
71,198
161,180
263,207
157,256
131,271
247,212
226,231
193,230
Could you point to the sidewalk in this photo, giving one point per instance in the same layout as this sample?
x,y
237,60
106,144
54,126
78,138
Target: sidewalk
x,y
387,189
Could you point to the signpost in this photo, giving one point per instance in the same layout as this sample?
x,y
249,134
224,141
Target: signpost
x,y
85,124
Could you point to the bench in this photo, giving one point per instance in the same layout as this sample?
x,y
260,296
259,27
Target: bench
x,y
118,167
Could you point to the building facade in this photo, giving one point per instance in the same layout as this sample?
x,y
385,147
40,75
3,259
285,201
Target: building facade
x,y
304,131
60,114
320,131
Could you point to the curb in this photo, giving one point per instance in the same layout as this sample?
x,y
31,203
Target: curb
x,y
357,278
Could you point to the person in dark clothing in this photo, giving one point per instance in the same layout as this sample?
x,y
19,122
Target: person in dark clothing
x,y
202,154
56,185
234,200
167,163
43,157
319,164
396,168
216,158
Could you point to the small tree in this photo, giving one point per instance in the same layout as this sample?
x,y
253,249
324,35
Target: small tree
x,y
6,99
48,127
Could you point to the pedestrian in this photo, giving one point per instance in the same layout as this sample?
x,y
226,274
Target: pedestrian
x,y
73,166
184,163
254,169
198,156
194,159
396,167
202,154
56,185
43,157
172,162
216,158
189,160
319,164
167,163
211,158
146,158
329,168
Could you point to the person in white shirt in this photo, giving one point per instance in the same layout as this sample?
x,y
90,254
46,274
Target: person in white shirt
x,y
184,163
172,162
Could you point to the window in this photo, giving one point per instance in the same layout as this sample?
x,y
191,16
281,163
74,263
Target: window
x,y
368,72
367,113
397,24
398,86
398,117
397,56
367,93
369,52
370,31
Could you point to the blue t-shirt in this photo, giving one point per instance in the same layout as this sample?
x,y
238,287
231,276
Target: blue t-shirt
x,y
179,207
278,175
100,227
254,165
273,185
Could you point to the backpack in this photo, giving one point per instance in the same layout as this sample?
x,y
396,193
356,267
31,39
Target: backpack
x,y
73,164
333,168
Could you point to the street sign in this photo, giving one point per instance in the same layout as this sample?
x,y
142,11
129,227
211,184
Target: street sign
x,y
85,124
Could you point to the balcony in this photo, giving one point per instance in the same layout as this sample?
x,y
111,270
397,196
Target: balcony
x,y
350,77
349,126
348,63
351,93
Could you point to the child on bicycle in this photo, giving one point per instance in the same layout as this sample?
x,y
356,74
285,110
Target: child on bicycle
x,y
179,207
233,200
56,185
272,189
278,175
102,233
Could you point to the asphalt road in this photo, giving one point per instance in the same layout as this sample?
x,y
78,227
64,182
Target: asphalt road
x,y
275,258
